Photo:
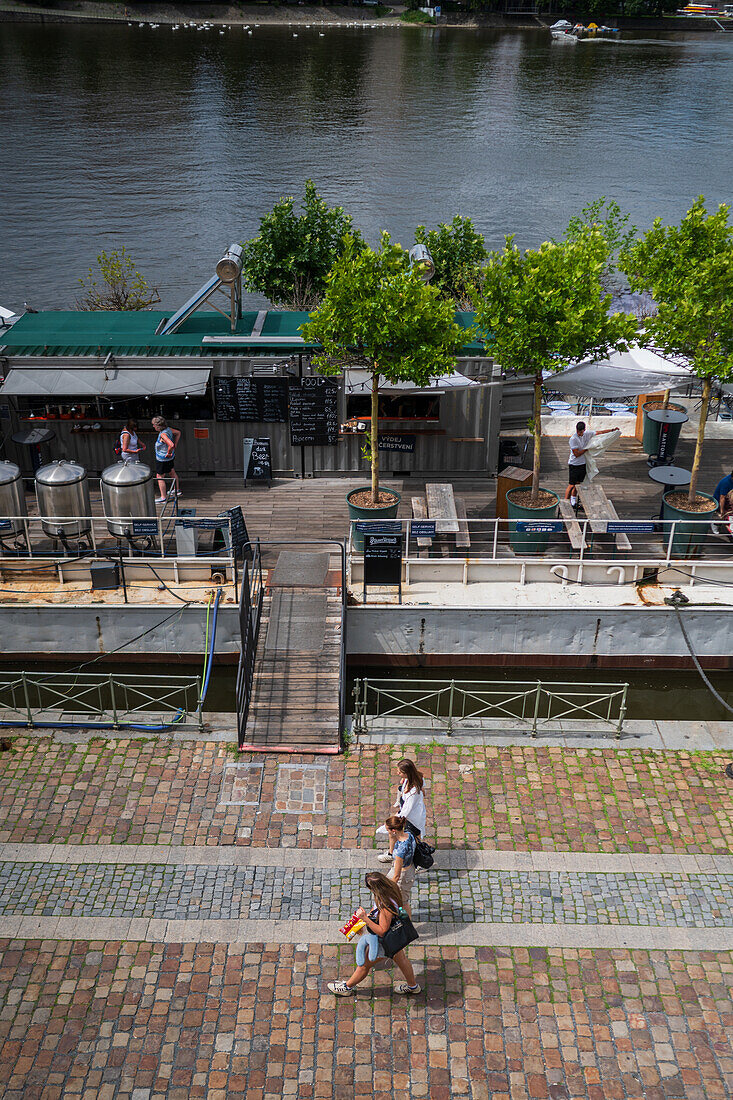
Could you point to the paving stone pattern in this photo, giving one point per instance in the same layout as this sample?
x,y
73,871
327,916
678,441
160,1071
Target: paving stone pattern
x,y
128,1021
271,893
523,798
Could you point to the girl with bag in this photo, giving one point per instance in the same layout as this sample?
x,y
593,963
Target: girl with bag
x,y
388,932
403,868
410,805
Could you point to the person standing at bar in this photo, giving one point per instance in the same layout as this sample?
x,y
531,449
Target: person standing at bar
x,y
130,445
165,454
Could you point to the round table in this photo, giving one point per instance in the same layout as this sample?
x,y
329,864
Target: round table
x,y
669,477
668,419
33,438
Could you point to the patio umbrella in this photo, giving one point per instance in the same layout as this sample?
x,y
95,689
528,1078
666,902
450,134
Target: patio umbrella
x,y
621,374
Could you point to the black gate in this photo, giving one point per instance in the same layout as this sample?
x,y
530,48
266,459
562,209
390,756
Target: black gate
x,y
250,608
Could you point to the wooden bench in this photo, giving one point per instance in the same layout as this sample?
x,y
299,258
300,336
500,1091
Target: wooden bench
x,y
463,539
572,528
420,511
599,510
442,508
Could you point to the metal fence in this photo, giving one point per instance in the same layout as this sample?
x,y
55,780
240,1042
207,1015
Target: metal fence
x,y
443,704
251,594
95,700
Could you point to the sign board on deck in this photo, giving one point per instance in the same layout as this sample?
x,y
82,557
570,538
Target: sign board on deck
x,y
145,527
314,408
422,529
629,527
257,464
382,561
240,535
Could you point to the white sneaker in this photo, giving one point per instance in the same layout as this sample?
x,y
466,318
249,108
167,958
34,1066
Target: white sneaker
x,y
385,857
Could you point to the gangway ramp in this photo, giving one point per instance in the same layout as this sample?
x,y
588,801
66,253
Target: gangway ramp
x,y
296,696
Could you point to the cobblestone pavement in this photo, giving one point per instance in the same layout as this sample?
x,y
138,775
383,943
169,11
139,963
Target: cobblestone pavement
x,y
522,798
272,893
127,1021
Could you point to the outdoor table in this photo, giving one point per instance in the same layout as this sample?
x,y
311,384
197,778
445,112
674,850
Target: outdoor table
x,y
669,477
665,418
33,438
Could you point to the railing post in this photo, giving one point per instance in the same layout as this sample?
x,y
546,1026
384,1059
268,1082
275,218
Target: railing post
x,y
538,691
622,713
670,540
113,700
27,701
358,728
450,707
496,539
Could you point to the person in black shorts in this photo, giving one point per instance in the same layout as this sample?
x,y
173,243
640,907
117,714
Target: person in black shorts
x,y
165,453
576,463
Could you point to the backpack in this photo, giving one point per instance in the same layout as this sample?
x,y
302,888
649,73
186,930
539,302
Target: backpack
x,y
423,856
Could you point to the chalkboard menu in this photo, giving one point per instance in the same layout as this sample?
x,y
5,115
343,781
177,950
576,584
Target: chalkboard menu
x,y
382,560
261,400
314,412
257,460
240,535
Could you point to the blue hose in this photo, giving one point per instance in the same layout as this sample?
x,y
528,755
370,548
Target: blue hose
x,y
125,726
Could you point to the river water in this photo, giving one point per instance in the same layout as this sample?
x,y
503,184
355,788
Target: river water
x,y
174,142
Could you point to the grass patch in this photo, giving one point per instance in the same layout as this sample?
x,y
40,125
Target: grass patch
x,y
418,17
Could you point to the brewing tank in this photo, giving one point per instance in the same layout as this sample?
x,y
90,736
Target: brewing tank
x,y
62,492
127,491
12,500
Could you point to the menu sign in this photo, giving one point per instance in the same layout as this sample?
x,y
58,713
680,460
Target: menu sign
x,y
382,561
260,400
240,535
257,460
397,443
314,420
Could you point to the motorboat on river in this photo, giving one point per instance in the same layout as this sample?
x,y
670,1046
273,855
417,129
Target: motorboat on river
x,y
563,31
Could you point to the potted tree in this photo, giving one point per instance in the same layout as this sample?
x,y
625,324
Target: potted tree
x,y
378,312
541,310
689,270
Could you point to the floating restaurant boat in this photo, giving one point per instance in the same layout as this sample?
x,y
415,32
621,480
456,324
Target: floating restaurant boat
x,y
563,31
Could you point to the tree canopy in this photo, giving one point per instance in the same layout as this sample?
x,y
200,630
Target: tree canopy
x,y
117,284
689,270
543,308
292,254
378,312
458,250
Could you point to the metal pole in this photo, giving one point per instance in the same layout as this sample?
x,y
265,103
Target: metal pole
x,y
27,701
115,723
622,713
536,707
670,540
496,538
450,707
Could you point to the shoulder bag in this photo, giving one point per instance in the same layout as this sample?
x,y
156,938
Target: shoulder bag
x,y
400,933
423,856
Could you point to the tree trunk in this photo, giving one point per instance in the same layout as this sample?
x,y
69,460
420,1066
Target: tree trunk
x,y
375,434
706,388
665,400
537,418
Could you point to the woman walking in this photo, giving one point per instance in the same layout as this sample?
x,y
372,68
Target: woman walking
x,y
410,805
165,452
130,445
403,851
387,904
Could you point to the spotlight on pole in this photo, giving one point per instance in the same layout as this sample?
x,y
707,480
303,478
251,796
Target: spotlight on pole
x,y
422,261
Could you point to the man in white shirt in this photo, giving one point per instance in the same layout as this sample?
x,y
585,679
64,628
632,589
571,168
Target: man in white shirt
x,y
576,463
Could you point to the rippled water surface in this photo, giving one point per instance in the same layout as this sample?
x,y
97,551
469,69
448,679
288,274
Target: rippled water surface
x,y
173,143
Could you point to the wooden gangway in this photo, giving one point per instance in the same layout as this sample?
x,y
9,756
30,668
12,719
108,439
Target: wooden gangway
x,y
296,699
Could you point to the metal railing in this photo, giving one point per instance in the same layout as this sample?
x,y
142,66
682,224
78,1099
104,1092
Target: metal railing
x,y
650,540
251,594
533,703
96,700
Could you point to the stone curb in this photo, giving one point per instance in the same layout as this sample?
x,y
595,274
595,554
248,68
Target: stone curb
x,y
355,858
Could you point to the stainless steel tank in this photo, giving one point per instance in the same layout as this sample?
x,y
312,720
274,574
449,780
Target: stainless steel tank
x,y
62,492
127,491
12,500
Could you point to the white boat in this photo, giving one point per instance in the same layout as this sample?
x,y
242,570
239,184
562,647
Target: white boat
x,y
563,31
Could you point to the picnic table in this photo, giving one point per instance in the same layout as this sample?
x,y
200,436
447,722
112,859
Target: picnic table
x,y
447,511
599,510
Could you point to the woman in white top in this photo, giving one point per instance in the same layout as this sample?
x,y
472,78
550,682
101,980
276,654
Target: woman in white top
x,y
130,445
410,804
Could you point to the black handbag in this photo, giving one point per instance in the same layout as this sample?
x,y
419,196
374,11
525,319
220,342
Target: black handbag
x,y
400,933
423,855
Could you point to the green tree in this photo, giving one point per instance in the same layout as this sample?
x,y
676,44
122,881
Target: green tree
x,y
117,284
606,216
542,309
377,311
292,254
458,250
689,270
